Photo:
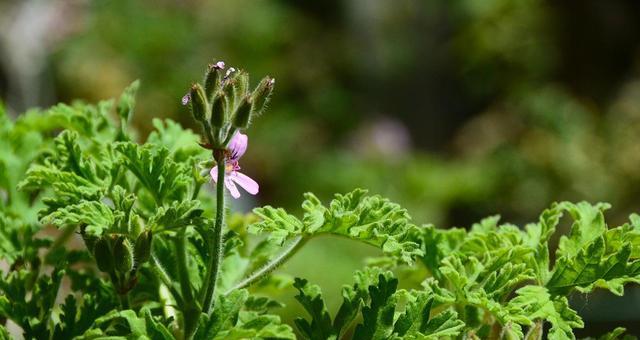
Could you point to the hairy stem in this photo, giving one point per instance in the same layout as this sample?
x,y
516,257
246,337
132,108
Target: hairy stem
x,y
190,310
292,248
216,242
161,273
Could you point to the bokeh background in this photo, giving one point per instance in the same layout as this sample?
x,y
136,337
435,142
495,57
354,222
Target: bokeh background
x,y
454,109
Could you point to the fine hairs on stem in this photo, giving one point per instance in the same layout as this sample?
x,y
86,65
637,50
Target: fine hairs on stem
x,y
293,247
215,258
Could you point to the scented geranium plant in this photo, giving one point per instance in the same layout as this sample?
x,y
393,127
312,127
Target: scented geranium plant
x,y
102,237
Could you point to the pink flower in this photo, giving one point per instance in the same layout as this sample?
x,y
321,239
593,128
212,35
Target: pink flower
x,y
237,147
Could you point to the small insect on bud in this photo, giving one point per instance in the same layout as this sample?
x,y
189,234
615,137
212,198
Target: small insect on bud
x,y
229,72
218,116
198,102
262,93
123,255
103,256
186,98
242,115
213,78
142,248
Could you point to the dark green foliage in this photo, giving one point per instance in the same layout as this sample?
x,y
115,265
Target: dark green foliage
x,y
376,298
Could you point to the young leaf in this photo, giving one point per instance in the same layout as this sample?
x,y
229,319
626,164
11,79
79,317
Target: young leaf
x,y
96,216
370,219
156,171
177,215
310,297
538,304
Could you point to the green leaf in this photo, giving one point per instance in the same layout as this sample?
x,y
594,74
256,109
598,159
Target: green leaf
x,y
155,328
224,316
537,238
68,188
310,297
370,219
616,334
538,304
178,215
253,325
96,216
163,178
182,143
592,268
277,222
378,317
588,225
70,158
593,256
37,296
437,244
78,316
375,296
130,322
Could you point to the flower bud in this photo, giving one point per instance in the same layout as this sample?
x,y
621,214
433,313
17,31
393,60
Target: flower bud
x,y
198,102
102,253
128,101
212,78
123,255
218,116
242,115
262,93
143,247
241,84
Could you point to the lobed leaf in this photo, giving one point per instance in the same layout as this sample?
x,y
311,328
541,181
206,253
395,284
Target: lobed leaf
x,y
370,219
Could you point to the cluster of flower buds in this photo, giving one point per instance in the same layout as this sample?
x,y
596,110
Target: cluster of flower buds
x,y
114,253
225,104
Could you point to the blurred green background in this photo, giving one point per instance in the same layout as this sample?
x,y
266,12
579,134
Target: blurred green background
x,y
454,109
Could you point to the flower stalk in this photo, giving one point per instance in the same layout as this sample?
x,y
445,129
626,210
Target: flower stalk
x,y
190,310
216,241
292,248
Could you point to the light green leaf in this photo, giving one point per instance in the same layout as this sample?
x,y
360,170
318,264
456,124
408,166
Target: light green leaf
x,y
538,304
163,178
96,216
177,215
370,219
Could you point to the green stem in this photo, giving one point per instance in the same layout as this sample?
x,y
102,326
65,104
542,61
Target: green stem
x,y
183,271
161,273
190,310
215,254
283,257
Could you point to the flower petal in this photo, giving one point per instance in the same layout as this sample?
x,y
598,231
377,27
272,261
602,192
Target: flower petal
x,y
232,187
245,182
214,173
238,145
